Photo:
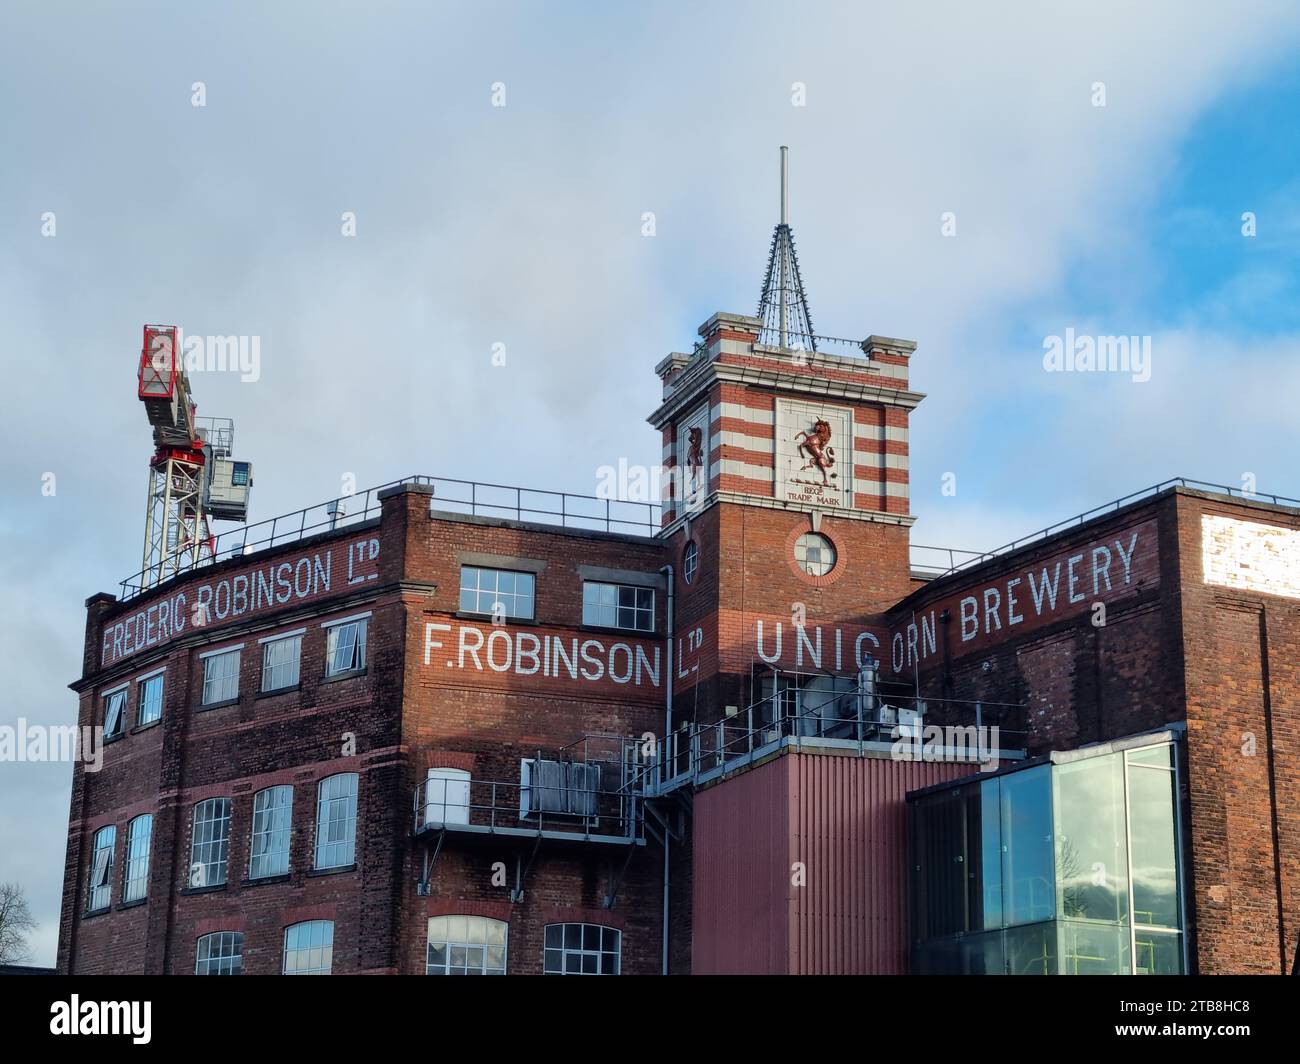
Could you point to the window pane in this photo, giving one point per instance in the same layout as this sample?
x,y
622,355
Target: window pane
x,y
1091,865
210,843
482,589
345,648
269,839
1156,756
581,949
139,839
618,606
1153,846
455,946
115,713
814,554
221,677
150,700
101,868
220,953
351,650
983,954
1031,950
336,821
280,663
1158,953
309,948
1093,949
1027,873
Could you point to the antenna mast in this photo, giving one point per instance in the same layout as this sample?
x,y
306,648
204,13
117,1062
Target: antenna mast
x,y
783,305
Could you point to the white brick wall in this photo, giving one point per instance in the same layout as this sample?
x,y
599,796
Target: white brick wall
x,y
1250,556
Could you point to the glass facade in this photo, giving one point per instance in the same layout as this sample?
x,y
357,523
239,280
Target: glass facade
x,y
1066,868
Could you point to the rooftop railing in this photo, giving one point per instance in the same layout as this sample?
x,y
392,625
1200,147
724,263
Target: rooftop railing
x,y
591,513
474,498
963,559
970,731
811,343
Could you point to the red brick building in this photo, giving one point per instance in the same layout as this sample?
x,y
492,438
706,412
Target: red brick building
x,y
462,729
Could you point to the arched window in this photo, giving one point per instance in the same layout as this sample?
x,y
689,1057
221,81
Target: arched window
x,y
139,838
101,868
220,953
210,843
336,821
268,849
466,945
309,948
582,949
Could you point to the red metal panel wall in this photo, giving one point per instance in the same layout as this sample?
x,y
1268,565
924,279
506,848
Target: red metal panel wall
x,y
848,822
741,877
844,820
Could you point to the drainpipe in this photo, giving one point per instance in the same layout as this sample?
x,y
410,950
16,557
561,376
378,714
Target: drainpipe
x,y
668,735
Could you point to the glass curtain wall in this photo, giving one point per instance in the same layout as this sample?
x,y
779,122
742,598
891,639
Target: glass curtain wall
x,y
1058,869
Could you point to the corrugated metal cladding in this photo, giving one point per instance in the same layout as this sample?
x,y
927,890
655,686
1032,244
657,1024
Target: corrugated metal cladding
x,y
844,820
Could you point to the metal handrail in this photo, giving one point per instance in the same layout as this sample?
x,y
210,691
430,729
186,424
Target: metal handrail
x,y
919,551
975,557
450,494
574,511
812,344
732,741
620,808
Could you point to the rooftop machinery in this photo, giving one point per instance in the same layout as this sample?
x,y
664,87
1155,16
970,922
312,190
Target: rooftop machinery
x,y
192,477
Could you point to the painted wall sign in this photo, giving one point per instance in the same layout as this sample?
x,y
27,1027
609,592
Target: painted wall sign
x,y
1250,556
1064,584
1104,570
813,647
547,655
337,568
814,453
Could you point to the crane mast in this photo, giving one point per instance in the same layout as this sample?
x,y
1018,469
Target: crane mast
x,y
192,477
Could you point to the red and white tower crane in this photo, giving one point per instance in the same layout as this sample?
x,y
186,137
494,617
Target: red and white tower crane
x,y
192,477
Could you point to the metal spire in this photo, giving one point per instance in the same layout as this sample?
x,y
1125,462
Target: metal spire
x,y
783,306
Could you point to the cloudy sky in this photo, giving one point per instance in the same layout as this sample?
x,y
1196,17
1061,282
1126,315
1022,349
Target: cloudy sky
x,y
522,225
